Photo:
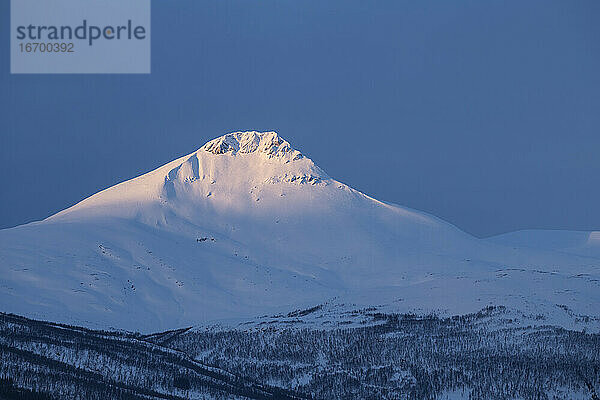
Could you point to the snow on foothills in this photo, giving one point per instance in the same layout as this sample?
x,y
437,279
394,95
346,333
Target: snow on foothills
x,y
572,242
248,226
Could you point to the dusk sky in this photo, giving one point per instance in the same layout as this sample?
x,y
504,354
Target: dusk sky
x,y
485,114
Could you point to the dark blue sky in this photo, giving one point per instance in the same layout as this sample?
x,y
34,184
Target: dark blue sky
x,y
485,113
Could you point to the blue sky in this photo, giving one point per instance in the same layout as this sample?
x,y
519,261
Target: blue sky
x,y
484,113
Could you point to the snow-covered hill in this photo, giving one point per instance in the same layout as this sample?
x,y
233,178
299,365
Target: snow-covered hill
x,y
570,242
246,226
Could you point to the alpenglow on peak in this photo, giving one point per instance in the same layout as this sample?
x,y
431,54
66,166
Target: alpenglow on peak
x,y
268,143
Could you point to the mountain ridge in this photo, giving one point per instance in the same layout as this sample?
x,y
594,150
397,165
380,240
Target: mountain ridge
x,y
247,225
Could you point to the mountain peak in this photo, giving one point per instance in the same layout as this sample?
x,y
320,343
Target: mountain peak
x,y
268,143
247,226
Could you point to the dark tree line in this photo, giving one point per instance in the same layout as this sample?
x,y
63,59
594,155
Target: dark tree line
x,y
387,356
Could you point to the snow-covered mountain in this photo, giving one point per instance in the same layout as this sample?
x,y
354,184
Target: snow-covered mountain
x,y
246,226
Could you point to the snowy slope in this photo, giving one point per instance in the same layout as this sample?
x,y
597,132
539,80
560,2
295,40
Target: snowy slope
x,y
570,242
247,225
